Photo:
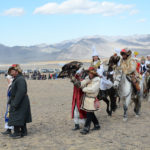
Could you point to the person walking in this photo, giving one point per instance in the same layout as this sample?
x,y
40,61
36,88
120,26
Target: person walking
x,y
78,114
90,86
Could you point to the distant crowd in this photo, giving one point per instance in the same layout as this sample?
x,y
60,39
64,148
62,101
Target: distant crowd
x,y
37,75
40,76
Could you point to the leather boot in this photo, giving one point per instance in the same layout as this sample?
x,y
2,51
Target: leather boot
x,y
24,130
85,130
96,127
17,133
77,127
7,132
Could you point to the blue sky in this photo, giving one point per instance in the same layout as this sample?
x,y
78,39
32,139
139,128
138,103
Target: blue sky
x,y
30,22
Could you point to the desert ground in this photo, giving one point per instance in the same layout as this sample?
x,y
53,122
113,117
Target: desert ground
x,y
52,125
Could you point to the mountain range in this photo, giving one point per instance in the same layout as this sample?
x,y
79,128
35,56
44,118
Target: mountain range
x,y
77,49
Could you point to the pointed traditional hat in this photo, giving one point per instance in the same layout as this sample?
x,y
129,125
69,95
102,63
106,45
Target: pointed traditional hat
x,y
94,52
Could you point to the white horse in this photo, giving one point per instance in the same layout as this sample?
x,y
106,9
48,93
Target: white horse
x,y
126,93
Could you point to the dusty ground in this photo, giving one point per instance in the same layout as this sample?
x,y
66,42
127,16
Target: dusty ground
x,y
52,124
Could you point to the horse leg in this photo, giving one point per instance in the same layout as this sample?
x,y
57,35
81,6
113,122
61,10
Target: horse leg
x,y
148,96
118,99
137,107
109,112
113,99
102,95
125,107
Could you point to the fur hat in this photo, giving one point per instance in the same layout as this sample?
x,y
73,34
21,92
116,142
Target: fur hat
x,y
15,67
125,51
92,70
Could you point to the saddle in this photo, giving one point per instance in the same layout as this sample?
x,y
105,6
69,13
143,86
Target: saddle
x,y
135,85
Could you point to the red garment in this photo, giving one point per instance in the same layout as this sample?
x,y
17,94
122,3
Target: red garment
x,y
138,67
77,95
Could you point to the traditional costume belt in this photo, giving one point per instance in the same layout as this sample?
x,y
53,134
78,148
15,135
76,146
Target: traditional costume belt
x,y
90,96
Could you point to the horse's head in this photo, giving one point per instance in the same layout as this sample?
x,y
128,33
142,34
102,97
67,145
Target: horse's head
x,y
117,78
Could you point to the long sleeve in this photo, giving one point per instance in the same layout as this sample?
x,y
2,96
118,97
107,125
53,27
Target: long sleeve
x,y
21,92
94,87
85,82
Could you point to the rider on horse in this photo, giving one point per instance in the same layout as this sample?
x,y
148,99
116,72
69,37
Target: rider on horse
x,y
128,66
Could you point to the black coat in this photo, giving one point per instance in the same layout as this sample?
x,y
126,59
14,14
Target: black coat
x,y
19,112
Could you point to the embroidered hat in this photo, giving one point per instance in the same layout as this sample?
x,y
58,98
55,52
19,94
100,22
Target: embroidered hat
x,y
92,70
15,67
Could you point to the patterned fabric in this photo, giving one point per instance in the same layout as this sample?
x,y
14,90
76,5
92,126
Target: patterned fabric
x,y
7,110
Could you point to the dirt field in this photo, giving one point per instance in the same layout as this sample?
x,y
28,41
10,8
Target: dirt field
x,y
52,123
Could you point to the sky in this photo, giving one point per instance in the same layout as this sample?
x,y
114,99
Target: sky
x,y
31,22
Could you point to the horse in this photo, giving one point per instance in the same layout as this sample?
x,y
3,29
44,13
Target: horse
x,y
127,92
107,92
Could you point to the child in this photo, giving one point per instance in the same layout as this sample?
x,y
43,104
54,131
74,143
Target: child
x,y
8,128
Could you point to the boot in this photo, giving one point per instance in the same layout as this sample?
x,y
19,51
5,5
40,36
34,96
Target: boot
x,y
24,130
7,132
96,127
85,130
17,133
77,127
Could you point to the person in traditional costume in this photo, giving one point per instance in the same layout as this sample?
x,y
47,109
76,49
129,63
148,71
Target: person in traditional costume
x,y
143,66
148,61
19,111
138,65
90,86
95,59
78,115
7,127
128,66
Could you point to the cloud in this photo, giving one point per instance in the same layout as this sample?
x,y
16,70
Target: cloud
x,y
83,7
141,20
14,12
134,12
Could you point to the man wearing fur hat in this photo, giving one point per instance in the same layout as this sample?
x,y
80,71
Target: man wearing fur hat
x,y
19,112
128,66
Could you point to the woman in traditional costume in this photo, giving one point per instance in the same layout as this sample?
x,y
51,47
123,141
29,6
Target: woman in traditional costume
x,y
78,115
95,59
